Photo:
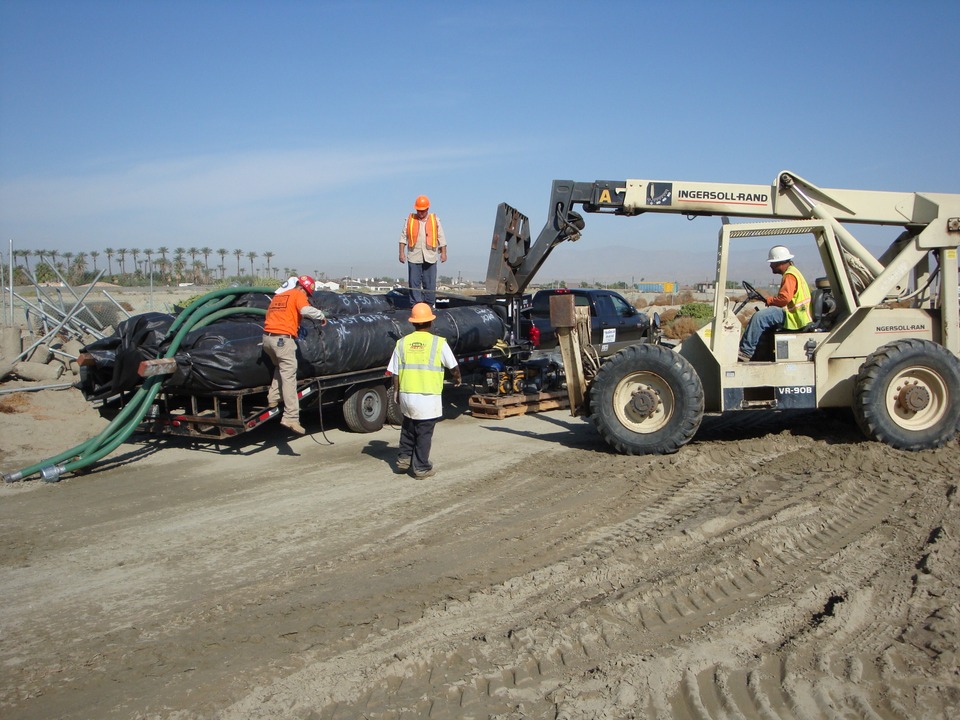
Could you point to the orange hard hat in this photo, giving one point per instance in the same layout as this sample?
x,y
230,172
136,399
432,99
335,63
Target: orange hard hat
x,y
307,283
421,203
421,313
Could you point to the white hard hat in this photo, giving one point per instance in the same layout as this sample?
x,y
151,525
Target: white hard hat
x,y
779,254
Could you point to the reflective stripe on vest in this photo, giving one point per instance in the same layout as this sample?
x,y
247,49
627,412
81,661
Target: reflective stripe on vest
x,y
421,365
413,230
798,309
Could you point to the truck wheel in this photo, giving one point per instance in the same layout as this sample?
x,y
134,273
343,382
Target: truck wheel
x,y
907,395
365,408
394,414
646,399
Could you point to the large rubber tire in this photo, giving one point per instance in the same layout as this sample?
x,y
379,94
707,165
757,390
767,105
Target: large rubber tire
x,y
394,414
646,399
907,395
365,408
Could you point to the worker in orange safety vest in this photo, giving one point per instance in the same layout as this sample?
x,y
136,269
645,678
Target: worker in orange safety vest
x,y
421,243
281,327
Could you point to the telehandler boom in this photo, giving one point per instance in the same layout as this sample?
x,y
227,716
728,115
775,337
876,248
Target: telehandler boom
x,y
885,340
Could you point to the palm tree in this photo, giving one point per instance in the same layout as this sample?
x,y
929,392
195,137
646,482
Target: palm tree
x,y
192,252
149,253
80,266
122,252
94,255
205,251
135,252
39,254
68,256
109,252
163,259
25,254
222,252
268,255
239,254
251,256
178,263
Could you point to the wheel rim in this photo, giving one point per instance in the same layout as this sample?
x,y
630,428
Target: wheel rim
x,y
370,406
916,398
643,402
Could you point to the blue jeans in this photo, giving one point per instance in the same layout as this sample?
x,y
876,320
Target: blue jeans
x,y
768,317
423,282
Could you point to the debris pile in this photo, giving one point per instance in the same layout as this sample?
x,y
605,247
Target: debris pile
x,y
42,351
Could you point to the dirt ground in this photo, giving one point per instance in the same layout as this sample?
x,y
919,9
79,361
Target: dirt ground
x,y
778,567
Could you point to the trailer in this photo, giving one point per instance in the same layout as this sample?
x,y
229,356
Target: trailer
x,y
365,395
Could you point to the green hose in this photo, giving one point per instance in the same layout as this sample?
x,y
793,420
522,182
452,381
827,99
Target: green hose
x,y
199,313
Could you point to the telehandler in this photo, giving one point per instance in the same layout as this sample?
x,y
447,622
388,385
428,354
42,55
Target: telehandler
x,y
885,341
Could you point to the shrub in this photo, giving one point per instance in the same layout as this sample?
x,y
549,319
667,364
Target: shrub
x,y
682,327
668,315
697,310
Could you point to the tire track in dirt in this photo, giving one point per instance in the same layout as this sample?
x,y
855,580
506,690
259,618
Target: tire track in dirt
x,y
638,603
776,568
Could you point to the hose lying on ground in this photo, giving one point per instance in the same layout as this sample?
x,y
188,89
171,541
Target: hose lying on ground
x,y
204,310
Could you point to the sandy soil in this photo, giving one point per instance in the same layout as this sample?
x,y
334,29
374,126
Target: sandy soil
x,y
778,567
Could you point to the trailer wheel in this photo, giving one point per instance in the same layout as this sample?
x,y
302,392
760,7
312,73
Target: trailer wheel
x,y
907,395
646,399
365,408
394,414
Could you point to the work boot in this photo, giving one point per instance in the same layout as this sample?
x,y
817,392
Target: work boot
x,y
743,357
403,464
421,474
293,425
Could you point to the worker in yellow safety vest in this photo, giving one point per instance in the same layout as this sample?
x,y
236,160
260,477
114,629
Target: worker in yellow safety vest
x,y
417,366
421,243
789,308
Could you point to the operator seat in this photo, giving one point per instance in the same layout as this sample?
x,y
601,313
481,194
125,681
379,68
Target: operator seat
x,y
823,307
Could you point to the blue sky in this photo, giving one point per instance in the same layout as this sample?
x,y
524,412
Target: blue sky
x,y
308,128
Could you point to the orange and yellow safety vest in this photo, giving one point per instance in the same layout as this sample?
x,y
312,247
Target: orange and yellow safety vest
x,y
413,230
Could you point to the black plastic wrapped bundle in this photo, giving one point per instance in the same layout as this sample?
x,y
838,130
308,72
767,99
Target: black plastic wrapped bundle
x,y
332,303
336,304
221,356
117,357
227,354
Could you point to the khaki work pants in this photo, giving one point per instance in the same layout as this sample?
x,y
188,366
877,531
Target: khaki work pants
x,y
283,352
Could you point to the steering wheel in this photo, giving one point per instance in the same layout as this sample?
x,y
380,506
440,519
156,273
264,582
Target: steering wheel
x,y
752,294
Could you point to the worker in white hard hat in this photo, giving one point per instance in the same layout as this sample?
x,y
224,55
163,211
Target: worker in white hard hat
x,y
789,309
281,326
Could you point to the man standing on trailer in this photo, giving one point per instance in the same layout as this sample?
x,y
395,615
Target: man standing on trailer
x,y
421,242
280,329
789,309
417,366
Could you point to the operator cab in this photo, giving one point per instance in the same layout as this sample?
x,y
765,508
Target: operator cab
x,y
781,345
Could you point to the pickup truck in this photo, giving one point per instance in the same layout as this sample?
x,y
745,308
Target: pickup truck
x,y
614,322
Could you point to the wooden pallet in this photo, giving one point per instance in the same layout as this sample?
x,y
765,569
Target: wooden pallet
x,y
499,407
